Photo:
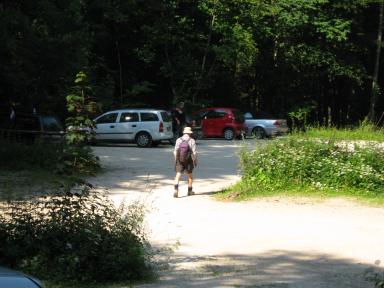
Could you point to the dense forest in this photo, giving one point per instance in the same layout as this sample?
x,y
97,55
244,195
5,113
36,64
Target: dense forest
x,y
319,58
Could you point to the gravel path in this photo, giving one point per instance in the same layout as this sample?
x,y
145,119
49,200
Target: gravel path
x,y
275,242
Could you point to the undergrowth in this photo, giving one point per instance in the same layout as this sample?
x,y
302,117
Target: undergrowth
x,y
79,237
304,166
59,158
363,132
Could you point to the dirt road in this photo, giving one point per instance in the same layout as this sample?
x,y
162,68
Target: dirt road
x,y
279,242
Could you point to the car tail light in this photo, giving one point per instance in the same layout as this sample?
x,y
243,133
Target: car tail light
x,y
161,127
277,123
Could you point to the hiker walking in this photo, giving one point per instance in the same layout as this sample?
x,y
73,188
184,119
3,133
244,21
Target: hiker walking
x,y
185,155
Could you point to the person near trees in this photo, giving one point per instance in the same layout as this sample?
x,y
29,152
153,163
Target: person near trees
x,y
185,156
178,119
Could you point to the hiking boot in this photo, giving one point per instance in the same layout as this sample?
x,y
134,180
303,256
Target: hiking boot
x,y
190,192
176,191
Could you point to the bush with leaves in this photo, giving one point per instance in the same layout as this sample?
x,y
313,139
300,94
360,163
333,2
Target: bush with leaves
x,y
76,155
376,277
80,236
59,158
80,108
319,165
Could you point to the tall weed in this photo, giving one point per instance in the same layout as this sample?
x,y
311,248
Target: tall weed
x,y
365,131
308,164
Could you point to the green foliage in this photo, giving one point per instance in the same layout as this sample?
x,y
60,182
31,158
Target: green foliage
x,y
306,164
365,131
58,158
80,107
77,159
259,55
375,277
299,117
76,156
40,47
78,236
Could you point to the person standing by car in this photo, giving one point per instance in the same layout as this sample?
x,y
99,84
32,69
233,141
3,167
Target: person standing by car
x,y
185,156
178,117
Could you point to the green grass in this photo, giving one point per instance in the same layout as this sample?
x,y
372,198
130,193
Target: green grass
x,y
238,192
364,132
300,166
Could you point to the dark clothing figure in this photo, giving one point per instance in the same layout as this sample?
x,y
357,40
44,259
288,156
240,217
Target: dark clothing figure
x,y
178,120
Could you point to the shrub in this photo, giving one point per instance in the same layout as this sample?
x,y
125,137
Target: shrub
x,y
376,277
75,237
59,158
364,131
315,164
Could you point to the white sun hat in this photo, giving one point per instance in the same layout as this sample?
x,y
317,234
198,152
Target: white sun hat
x,y
187,130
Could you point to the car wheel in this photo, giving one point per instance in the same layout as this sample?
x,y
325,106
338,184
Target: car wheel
x,y
229,134
258,133
143,139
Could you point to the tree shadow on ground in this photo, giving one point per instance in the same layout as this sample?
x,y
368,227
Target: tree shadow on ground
x,y
278,269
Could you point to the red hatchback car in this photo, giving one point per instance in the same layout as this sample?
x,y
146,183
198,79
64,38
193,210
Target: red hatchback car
x,y
220,122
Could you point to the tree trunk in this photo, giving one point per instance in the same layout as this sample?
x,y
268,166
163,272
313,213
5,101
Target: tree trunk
x,y
375,85
120,72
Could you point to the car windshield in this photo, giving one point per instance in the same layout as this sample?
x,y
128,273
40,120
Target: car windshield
x,y
239,117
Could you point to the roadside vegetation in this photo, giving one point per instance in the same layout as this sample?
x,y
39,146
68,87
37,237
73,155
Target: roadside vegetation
x,y
54,225
314,165
42,168
61,164
364,132
78,236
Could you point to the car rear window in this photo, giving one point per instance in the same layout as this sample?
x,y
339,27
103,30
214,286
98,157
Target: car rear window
x,y
166,117
239,117
51,123
216,114
148,116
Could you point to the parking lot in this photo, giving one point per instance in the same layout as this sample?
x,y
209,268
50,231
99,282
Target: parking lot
x,y
274,242
133,171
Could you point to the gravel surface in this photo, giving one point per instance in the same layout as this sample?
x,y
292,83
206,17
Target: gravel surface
x,y
269,243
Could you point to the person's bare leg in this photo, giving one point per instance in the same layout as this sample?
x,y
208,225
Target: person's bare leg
x,y
177,180
190,181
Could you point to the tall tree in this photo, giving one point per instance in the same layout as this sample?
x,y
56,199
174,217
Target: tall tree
x,y
375,86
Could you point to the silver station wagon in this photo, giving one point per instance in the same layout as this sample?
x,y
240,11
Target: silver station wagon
x,y
145,127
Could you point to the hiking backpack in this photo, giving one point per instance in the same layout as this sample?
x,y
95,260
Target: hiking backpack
x,y
184,151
